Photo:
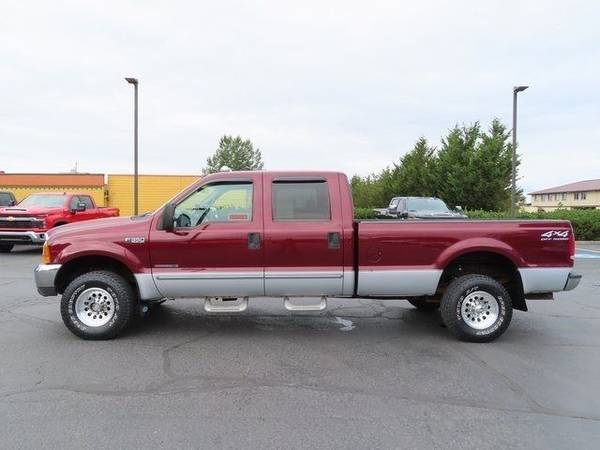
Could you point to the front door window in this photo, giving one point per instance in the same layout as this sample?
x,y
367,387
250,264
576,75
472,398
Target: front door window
x,y
219,202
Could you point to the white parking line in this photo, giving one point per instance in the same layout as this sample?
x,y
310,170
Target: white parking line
x,y
583,253
589,250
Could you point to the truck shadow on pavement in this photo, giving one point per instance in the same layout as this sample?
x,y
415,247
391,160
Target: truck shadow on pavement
x,y
183,319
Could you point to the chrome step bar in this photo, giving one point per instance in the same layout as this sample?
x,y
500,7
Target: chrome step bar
x,y
220,305
290,306
236,305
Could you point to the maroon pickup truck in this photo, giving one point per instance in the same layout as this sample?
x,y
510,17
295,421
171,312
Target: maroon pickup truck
x,y
237,235
28,222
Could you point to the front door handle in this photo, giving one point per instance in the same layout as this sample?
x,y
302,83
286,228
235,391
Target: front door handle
x,y
334,240
253,241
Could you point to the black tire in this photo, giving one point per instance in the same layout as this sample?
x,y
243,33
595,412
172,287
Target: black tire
x,y
423,305
124,308
6,248
478,288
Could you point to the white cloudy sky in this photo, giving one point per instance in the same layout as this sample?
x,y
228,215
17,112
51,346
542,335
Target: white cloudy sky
x,y
337,85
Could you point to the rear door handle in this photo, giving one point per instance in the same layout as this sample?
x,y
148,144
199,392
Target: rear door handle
x,y
253,241
334,240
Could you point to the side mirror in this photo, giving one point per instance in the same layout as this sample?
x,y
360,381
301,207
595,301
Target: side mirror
x,y
458,208
167,217
12,203
79,208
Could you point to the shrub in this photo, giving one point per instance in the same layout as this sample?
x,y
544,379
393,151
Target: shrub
x,y
364,213
586,222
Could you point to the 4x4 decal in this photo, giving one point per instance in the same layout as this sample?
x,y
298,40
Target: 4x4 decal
x,y
555,235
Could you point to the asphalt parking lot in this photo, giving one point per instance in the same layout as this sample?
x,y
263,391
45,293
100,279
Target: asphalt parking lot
x,y
363,374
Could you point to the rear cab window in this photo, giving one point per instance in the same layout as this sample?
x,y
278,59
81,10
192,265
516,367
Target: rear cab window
x,y
301,200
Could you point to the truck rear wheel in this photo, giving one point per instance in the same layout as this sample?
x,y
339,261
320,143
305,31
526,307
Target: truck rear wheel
x,y
98,305
6,248
476,308
423,305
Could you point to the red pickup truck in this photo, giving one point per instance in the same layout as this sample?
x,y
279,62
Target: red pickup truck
x,y
28,222
237,235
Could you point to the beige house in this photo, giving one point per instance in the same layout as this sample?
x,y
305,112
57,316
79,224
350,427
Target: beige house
x,y
579,195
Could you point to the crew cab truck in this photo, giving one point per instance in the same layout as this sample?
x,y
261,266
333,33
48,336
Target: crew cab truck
x,y
237,235
28,222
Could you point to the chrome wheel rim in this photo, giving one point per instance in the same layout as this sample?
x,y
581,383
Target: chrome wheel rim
x,y
480,310
95,307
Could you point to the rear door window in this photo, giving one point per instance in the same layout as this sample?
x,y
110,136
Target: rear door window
x,y
301,200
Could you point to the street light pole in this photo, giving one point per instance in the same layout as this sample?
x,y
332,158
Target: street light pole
x,y
135,83
513,189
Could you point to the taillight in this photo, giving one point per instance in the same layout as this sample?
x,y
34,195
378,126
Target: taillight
x,y
572,244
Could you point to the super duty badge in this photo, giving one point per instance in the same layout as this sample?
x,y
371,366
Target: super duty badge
x,y
135,240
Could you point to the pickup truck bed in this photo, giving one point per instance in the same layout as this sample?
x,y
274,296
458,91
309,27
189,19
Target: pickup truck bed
x,y
237,235
410,257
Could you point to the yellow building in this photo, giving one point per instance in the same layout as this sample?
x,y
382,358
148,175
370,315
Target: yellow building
x,y
107,190
154,190
24,184
579,195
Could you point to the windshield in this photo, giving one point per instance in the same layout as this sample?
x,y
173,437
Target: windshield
x,y
46,201
426,204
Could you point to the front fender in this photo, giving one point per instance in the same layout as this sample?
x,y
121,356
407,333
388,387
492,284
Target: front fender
x,y
100,248
472,245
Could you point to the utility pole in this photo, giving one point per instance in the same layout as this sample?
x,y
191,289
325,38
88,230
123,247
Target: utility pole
x,y
513,188
135,83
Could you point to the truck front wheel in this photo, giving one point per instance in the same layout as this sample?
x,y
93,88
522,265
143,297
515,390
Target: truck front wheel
x,y
98,305
476,308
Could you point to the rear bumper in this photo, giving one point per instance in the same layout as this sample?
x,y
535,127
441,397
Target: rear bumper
x,y
45,276
572,281
23,237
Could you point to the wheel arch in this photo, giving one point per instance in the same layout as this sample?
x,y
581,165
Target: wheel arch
x,y
87,263
489,262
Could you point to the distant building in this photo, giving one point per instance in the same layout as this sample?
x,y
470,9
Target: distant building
x,y
579,195
107,190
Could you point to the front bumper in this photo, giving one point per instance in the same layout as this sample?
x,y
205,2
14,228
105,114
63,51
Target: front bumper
x,y
572,281
23,237
45,275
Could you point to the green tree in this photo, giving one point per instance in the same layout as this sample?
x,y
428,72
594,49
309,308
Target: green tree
x,y
235,153
472,169
492,166
415,174
367,191
454,178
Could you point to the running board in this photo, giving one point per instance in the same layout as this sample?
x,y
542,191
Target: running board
x,y
220,304
290,306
